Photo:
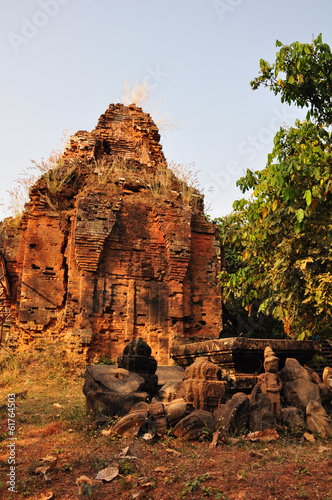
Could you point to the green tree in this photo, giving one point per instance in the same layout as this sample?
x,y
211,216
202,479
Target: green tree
x,y
282,235
302,75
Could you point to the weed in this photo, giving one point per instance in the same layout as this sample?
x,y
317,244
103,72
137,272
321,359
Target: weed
x,y
100,463
207,491
186,179
114,438
17,200
87,490
207,433
77,417
52,170
56,175
104,360
57,451
125,467
303,493
193,485
168,437
67,468
169,480
244,474
169,433
177,179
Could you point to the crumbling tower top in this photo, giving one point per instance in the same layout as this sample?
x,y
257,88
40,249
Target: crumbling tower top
x,y
124,132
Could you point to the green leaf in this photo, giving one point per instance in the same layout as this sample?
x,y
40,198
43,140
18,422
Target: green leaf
x,y
278,312
300,215
291,79
307,49
307,196
297,227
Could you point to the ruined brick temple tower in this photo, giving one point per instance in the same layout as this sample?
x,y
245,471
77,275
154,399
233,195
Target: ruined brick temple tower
x,y
113,246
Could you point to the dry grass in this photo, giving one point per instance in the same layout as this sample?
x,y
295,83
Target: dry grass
x,y
110,172
138,94
178,179
51,169
187,180
48,357
58,174
164,122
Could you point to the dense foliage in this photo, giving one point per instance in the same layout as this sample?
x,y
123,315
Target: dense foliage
x,y
302,75
279,241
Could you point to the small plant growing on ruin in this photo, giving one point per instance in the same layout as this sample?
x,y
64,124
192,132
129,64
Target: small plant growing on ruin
x,y
177,179
104,360
138,94
187,179
207,433
52,169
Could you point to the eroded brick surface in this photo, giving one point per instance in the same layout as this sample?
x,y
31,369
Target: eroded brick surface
x,y
103,259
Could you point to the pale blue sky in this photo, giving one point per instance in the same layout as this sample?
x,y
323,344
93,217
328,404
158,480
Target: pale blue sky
x,y
65,61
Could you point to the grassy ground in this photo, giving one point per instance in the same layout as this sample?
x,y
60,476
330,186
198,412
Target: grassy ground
x,y
53,430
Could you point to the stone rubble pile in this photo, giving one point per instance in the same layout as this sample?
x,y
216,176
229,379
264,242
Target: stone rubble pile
x,y
201,403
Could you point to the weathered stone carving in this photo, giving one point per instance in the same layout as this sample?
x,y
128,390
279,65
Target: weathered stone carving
x,y
292,418
155,418
317,419
112,253
325,392
136,357
270,381
129,425
164,416
240,358
261,416
192,426
297,385
327,376
234,415
113,391
202,386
